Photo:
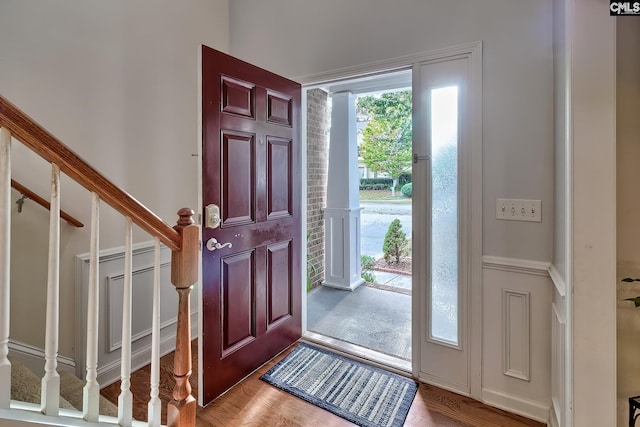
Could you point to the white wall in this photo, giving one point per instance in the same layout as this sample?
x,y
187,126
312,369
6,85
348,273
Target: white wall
x,y
117,82
302,38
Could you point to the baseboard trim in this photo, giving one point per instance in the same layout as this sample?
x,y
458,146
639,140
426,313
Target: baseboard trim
x,y
524,266
33,358
518,405
438,382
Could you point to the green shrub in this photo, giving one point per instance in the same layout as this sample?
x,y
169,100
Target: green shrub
x,y
395,242
404,178
369,181
311,268
406,190
368,277
367,264
374,186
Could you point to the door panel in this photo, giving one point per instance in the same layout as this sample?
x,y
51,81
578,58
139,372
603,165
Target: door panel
x,y
279,109
251,283
279,178
238,178
238,97
238,301
279,284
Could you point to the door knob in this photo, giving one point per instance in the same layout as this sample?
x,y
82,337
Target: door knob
x,y
213,244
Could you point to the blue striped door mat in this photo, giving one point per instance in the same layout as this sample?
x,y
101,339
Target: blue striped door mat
x,y
362,394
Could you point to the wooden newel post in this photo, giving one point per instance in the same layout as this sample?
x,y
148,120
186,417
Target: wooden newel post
x,y
184,273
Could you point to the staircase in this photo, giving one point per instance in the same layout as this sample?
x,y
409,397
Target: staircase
x,y
54,405
26,387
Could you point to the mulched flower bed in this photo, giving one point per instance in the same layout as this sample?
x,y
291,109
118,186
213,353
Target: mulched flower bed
x,y
403,267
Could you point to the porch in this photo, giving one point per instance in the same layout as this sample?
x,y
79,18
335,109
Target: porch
x,y
373,317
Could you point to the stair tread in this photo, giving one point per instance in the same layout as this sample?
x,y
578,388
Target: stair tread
x,y
25,387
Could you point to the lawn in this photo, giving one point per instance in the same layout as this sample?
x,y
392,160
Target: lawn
x,y
382,195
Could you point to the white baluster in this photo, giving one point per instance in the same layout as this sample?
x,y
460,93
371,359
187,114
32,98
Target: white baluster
x,y
125,400
50,394
5,250
91,391
155,403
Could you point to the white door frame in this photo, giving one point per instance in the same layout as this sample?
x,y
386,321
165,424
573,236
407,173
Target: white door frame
x,y
474,52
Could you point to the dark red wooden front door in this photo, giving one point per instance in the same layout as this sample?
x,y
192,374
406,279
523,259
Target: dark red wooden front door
x,y
251,171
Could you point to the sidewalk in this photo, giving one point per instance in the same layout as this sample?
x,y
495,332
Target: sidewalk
x,y
394,280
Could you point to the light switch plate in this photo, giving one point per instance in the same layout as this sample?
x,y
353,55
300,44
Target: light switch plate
x,y
519,210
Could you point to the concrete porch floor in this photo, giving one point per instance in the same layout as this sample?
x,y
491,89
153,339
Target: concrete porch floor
x,y
376,319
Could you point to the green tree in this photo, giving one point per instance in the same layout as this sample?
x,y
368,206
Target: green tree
x,y
395,242
386,140
393,105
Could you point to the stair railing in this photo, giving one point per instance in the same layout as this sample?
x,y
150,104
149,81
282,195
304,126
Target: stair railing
x,y
30,195
182,239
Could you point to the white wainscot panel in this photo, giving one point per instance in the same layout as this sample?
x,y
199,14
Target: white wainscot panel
x,y
335,235
110,309
516,336
141,292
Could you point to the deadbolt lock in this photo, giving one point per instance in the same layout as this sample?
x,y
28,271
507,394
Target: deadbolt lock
x,y
212,216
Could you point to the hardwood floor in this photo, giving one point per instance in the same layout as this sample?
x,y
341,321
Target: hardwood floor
x,y
256,403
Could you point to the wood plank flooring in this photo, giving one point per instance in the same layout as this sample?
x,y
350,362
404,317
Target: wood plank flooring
x,y
256,403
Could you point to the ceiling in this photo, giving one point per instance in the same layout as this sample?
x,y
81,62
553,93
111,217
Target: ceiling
x,y
389,81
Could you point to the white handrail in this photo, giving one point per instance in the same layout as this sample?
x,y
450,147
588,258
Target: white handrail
x,y
155,403
5,254
91,392
125,400
50,390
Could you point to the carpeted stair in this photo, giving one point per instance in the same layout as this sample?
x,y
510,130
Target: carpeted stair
x,y
25,387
